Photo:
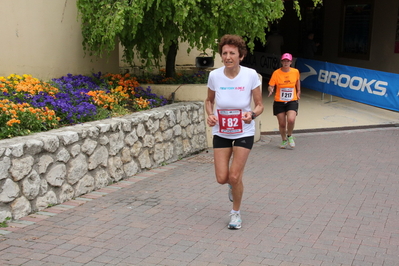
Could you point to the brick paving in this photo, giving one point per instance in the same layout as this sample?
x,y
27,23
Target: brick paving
x,y
333,200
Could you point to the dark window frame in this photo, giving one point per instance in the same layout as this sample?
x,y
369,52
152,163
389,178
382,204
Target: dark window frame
x,y
356,29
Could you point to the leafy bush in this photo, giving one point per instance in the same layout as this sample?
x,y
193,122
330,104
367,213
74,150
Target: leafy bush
x,y
29,105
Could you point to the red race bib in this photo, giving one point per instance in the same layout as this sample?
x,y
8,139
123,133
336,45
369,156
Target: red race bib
x,y
230,121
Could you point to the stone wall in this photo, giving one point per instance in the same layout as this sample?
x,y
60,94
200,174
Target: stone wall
x,y
49,168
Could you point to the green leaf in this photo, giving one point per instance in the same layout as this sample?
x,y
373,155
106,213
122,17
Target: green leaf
x,y
146,28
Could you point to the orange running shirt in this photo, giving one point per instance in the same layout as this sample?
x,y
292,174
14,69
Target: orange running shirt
x,y
285,84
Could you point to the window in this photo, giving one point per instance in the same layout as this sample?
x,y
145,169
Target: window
x,y
356,26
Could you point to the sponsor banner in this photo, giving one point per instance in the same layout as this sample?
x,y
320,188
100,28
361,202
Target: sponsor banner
x,y
367,86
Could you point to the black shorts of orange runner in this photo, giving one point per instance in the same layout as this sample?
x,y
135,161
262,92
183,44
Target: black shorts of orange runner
x,y
283,107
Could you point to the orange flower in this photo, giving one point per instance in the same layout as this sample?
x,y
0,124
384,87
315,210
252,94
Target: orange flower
x,y
13,121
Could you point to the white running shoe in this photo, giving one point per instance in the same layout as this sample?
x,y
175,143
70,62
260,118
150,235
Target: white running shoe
x,y
235,221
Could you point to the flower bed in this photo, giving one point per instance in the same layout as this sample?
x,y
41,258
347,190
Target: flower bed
x,y
29,105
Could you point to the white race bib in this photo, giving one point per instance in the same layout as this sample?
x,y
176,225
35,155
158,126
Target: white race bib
x,y
286,94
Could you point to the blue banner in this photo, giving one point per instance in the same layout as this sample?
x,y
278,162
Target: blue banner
x,y
367,86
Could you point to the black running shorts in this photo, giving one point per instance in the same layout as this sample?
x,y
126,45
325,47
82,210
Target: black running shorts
x,y
283,107
245,142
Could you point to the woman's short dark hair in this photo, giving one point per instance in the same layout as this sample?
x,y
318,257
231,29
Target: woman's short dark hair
x,y
234,40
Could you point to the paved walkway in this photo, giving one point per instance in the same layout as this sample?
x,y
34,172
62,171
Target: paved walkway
x,y
318,113
331,201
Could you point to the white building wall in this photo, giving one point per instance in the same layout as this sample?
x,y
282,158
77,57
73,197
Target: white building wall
x,y
184,60
43,38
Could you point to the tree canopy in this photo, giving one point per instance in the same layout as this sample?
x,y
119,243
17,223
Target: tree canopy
x,y
151,29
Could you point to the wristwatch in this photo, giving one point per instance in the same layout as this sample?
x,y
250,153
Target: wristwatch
x,y
253,115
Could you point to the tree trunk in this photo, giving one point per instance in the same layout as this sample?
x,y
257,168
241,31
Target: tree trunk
x,y
171,59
